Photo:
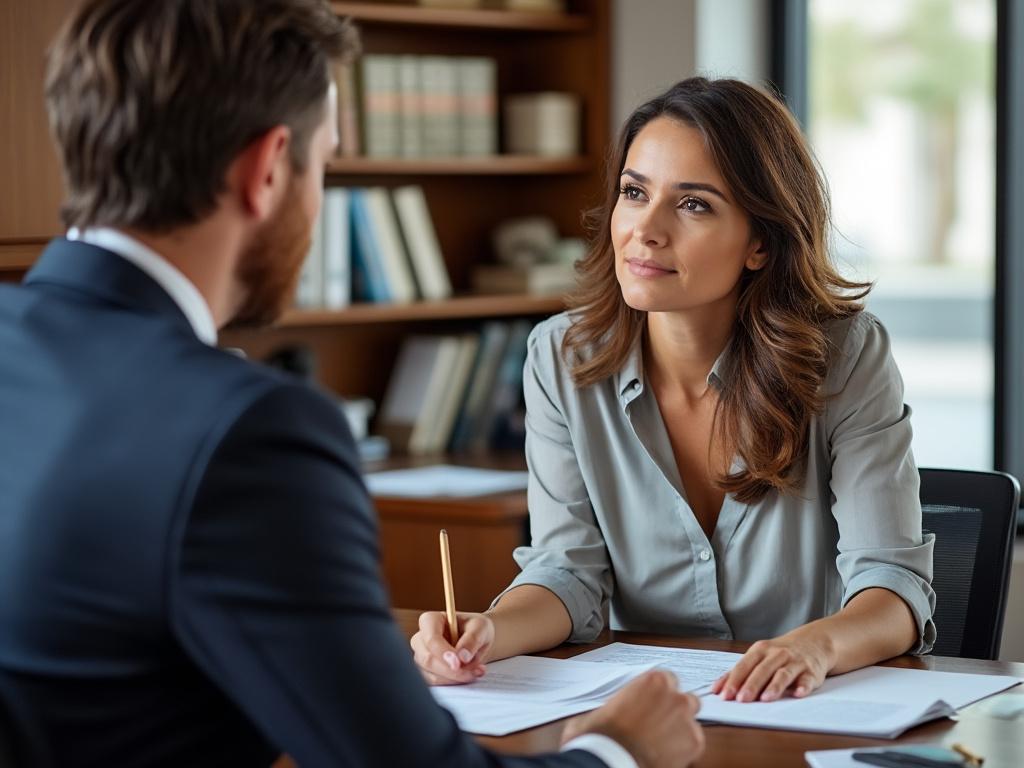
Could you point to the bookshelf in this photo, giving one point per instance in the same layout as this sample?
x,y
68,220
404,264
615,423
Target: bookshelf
x,y
501,165
461,307
356,347
369,13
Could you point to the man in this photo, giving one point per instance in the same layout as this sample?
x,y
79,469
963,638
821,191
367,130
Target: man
x,y
188,556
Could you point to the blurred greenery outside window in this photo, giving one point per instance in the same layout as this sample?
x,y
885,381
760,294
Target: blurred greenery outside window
x,y
902,119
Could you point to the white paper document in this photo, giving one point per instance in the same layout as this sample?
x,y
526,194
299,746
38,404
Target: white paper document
x,y
696,670
444,480
843,758
525,691
877,702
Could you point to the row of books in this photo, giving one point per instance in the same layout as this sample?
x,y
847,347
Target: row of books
x,y
458,393
413,106
373,244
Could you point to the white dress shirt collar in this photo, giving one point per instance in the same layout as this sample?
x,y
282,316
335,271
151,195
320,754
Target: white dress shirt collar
x,y
181,290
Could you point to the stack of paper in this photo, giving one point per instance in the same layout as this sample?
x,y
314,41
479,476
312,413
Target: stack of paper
x,y
877,702
444,480
526,691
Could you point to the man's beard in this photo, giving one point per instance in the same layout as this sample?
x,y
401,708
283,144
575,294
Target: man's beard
x,y
269,268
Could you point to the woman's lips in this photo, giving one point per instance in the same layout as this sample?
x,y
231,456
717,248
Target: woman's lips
x,y
642,268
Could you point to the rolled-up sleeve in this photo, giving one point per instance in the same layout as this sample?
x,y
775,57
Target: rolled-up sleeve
x,y
874,481
567,554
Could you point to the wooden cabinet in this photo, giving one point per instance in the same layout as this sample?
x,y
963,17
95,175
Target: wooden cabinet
x,y
482,533
31,191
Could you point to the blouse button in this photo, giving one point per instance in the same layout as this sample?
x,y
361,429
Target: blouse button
x,y
705,555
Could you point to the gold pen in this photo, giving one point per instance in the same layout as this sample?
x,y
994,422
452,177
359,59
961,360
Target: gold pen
x,y
971,758
449,589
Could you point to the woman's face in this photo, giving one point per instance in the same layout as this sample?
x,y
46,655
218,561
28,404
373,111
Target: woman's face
x,y
680,240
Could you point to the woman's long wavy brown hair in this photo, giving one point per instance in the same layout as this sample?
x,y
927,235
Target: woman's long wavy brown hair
x,y
778,356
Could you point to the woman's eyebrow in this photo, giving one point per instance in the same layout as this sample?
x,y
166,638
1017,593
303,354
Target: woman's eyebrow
x,y
684,186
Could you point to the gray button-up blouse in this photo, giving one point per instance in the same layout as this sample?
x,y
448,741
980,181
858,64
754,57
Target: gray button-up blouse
x,y
610,523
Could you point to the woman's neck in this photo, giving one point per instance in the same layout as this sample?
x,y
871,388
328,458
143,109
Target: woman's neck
x,y
681,347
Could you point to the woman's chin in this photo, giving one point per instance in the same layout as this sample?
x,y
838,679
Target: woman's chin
x,y
644,301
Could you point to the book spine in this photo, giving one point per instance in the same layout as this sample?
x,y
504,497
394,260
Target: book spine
x,y
410,105
421,242
309,293
478,106
393,259
366,260
349,144
440,106
381,105
336,244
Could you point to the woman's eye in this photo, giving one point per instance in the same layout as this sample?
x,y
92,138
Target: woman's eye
x,y
631,192
695,205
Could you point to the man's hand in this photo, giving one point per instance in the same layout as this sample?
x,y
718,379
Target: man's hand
x,y
651,719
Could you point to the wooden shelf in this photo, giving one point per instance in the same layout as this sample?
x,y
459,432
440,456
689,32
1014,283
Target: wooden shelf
x,y
449,309
480,18
498,165
19,256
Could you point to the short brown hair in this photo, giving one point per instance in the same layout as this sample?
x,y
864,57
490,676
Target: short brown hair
x,y
150,102
779,354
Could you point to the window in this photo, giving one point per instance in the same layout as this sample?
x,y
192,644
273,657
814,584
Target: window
x,y
901,112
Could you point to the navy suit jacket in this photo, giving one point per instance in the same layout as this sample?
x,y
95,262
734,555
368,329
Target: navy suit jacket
x,y
188,555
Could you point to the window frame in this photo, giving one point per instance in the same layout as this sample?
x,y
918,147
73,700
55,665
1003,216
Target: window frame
x,y
790,58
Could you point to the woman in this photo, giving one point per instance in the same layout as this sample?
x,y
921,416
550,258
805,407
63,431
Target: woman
x,y
716,433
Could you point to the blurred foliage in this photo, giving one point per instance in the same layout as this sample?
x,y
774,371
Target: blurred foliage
x,y
927,60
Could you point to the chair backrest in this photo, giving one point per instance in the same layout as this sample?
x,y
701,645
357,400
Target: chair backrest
x,y
974,517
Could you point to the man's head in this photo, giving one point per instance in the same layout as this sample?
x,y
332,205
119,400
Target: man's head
x,y
167,112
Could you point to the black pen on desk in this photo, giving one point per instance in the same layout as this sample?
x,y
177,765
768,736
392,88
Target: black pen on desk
x,y
894,759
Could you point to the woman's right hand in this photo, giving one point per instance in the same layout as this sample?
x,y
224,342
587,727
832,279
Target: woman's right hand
x,y
442,664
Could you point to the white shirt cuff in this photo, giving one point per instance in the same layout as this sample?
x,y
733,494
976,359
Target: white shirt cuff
x,y
604,748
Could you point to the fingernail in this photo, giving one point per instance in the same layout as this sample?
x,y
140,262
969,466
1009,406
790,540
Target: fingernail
x,y
766,696
466,656
742,696
800,691
451,660
728,692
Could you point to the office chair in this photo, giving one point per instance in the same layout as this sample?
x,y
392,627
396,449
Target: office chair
x,y
973,516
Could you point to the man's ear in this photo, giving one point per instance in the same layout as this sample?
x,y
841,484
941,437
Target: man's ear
x,y
262,172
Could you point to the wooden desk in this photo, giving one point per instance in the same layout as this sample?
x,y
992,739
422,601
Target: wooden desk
x,y
1000,742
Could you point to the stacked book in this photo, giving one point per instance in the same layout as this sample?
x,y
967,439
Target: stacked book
x,y
458,393
373,244
420,106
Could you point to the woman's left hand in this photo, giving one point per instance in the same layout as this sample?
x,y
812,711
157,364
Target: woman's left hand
x,y
797,661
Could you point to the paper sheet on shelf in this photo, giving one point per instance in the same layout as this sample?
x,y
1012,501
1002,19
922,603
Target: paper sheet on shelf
x,y
525,691
444,480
